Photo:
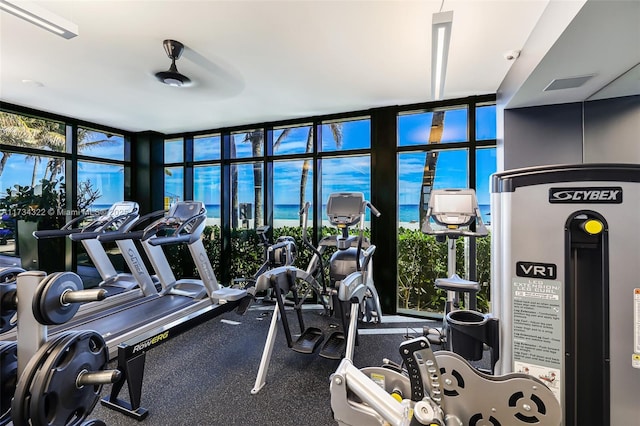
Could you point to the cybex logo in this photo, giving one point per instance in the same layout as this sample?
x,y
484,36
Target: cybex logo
x,y
536,270
606,195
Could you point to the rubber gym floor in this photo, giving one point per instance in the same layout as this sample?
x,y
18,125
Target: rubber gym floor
x,y
205,376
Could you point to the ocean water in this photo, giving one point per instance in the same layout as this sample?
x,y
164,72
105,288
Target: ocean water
x,y
408,212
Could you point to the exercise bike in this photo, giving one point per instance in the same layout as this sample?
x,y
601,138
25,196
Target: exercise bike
x,y
456,214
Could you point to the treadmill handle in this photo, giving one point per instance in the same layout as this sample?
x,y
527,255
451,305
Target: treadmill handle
x,y
117,236
79,236
158,241
55,233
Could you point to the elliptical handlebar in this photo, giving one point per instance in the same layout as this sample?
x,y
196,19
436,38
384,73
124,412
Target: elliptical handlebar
x,y
373,209
304,212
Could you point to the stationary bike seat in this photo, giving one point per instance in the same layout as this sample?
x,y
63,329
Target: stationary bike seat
x,y
455,283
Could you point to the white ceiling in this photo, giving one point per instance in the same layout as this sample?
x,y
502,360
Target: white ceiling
x,y
258,61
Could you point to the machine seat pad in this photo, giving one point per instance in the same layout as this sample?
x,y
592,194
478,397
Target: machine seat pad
x,y
455,283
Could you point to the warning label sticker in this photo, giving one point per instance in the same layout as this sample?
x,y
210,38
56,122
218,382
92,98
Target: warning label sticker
x,y
537,322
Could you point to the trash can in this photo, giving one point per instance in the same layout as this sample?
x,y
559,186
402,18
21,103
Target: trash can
x,y
467,333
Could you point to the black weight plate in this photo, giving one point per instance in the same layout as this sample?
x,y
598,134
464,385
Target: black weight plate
x,y
58,347
51,309
8,306
37,295
55,397
21,398
8,378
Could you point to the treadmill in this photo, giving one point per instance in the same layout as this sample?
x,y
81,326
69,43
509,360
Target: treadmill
x,y
183,224
120,288
121,217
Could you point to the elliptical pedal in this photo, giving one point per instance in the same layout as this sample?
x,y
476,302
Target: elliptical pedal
x,y
334,347
308,341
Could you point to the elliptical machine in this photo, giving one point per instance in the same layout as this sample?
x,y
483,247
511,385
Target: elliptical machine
x,y
456,214
344,210
351,285
281,253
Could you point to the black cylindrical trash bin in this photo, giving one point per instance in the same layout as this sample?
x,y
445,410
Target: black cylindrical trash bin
x,y
467,332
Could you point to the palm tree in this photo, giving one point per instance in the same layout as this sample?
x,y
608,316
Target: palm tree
x,y
22,131
48,134
430,162
256,138
336,132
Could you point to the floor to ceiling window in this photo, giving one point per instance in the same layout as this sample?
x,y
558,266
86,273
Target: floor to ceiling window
x,y
173,171
45,161
100,184
264,174
440,148
345,162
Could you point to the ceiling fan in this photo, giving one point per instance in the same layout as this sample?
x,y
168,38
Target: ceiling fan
x,y
172,77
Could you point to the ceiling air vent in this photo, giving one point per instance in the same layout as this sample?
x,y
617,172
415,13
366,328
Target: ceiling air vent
x,y
567,83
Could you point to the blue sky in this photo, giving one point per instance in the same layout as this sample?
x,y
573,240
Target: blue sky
x,y
353,173
343,174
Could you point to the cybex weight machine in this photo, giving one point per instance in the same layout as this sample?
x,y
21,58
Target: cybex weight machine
x,y
566,286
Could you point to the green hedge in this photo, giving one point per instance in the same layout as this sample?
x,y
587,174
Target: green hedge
x,y
421,259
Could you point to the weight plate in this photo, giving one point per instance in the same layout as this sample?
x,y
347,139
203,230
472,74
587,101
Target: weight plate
x,y
10,274
21,398
37,295
58,347
8,306
55,396
8,378
48,302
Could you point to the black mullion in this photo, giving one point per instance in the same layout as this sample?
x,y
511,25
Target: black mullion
x,y
471,131
127,165
71,202
225,207
267,179
316,221
434,147
187,146
384,190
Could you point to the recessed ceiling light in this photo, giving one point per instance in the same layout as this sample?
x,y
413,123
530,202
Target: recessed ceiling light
x,y
32,83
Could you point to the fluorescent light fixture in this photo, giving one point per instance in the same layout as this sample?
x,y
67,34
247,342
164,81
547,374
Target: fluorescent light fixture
x,y
440,39
41,17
